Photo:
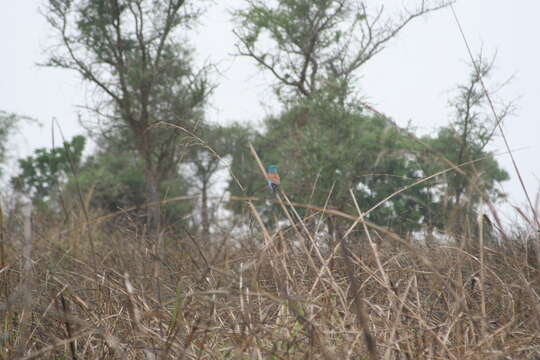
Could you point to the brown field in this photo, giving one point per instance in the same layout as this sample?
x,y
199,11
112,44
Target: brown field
x,y
101,291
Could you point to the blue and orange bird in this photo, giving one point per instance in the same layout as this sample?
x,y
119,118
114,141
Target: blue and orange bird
x,y
273,177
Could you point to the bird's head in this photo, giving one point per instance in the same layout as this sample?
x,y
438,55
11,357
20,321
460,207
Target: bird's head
x,y
272,169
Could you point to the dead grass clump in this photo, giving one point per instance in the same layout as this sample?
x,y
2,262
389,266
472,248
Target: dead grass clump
x,y
287,298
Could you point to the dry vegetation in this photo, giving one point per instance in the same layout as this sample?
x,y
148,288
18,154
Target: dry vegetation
x,y
282,293
86,286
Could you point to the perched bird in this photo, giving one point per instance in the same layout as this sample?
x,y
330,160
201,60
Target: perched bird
x,y
273,177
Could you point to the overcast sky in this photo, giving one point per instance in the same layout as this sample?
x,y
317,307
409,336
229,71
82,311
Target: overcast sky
x,y
412,80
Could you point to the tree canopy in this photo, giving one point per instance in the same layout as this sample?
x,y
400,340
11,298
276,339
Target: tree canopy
x,y
155,141
324,141
134,53
310,46
43,174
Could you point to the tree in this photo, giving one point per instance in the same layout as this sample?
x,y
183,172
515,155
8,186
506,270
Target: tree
x,y
465,140
338,150
114,178
206,159
131,51
45,172
322,140
317,45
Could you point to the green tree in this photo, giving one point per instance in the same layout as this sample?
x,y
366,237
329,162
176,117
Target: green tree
x,y
210,153
205,158
45,172
134,53
322,141
466,140
115,182
114,179
339,149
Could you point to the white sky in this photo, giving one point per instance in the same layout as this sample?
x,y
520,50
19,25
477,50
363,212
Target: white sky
x,y
411,80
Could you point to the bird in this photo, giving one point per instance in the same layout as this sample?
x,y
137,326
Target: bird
x,y
273,177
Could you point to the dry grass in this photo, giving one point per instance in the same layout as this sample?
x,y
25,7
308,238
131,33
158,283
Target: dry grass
x,y
286,295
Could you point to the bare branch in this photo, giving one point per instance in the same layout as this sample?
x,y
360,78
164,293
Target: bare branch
x,y
317,44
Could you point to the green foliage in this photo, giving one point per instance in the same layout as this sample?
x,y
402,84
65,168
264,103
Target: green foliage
x,y
324,151
324,145
483,165
245,176
134,53
217,145
464,143
207,152
461,192
46,171
126,48
305,36
115,181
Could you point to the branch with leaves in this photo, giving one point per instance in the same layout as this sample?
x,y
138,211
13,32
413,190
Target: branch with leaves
x,y
309,45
